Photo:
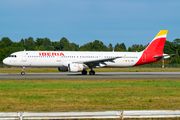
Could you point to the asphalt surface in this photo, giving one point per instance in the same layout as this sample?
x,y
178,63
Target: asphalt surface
x,y
99,75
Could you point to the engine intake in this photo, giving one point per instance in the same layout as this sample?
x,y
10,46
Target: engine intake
x,y
63,69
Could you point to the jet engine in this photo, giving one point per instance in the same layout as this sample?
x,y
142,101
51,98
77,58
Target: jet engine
x,y
74,67
63,69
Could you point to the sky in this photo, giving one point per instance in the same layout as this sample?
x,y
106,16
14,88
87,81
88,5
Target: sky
x,y
83,21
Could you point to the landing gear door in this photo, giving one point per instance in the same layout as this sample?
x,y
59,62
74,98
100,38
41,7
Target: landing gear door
x,y
24,59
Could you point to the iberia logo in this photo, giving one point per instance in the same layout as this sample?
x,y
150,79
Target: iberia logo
x,y
51,54
61,54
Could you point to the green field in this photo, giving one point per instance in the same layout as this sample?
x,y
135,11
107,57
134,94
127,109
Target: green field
x,y
82,95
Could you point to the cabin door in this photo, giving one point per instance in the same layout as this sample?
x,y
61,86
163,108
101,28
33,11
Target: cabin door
x,y
144,57
58,59
24,59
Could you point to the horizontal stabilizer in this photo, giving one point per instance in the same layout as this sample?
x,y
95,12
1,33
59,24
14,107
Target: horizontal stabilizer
x,y
164,56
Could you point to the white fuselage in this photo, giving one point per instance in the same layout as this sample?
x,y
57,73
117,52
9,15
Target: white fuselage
x,y
63,58
76,61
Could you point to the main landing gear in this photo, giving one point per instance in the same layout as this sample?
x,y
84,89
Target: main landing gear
x,y
84,72
92,72
23,69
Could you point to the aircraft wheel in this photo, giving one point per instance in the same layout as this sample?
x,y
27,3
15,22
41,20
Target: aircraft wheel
x,y
92,72
84,72
22,73
23,69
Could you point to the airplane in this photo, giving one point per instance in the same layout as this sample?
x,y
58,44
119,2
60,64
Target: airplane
x,y
78,61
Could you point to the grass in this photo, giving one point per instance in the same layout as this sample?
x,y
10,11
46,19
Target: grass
x,y
79,95
53,70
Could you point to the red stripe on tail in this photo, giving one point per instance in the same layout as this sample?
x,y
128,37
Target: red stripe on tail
x,y
155,48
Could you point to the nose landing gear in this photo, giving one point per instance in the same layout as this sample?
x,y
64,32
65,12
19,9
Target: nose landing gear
x,y
23,71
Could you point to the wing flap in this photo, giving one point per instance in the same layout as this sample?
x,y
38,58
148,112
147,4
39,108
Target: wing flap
x,y
98,60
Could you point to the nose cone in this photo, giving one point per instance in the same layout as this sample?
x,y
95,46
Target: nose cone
x,y
5,61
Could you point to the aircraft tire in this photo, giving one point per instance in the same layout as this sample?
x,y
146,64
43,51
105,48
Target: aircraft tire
x,y
22,73
92,72
84,72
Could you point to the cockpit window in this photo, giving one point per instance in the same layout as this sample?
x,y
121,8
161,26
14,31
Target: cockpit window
x,y
12,55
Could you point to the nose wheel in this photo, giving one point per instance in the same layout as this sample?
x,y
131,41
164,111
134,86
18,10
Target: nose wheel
x,y
23,71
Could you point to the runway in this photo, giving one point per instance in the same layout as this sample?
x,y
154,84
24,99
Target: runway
x,y
99,75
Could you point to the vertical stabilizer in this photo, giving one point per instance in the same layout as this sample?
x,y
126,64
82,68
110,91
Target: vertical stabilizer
x,y
157,44
154,49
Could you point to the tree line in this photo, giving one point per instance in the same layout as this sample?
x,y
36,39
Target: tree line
x,y
7,46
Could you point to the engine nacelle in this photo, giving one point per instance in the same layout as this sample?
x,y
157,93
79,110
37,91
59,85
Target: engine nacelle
x,y
63,69
74,67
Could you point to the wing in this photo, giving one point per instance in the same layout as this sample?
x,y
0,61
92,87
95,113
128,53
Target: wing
x,y
97,62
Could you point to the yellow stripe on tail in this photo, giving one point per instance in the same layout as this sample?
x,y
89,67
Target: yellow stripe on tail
x,y
162,32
